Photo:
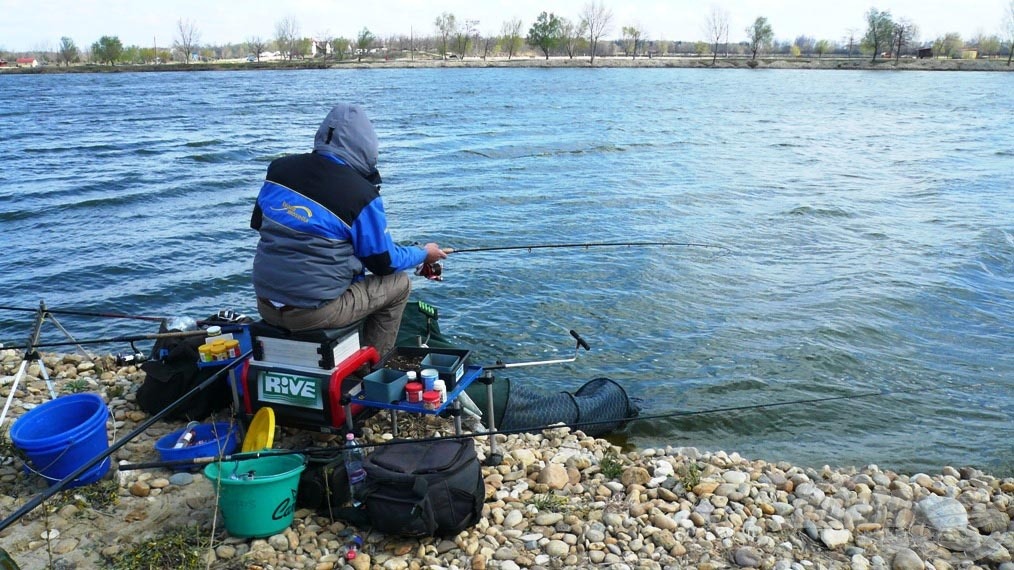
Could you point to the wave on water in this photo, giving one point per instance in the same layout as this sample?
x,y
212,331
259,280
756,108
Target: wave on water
x,y
820,212
222,157
199,144
516,152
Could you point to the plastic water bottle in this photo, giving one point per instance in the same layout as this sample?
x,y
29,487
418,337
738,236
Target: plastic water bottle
x,y
186,438
353,547
354,468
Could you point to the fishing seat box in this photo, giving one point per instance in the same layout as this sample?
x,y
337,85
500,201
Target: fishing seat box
x,y
323,348
303,376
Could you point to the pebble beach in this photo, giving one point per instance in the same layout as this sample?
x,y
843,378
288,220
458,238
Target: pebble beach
x,y
558,499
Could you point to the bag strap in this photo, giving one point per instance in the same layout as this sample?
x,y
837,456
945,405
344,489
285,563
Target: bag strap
x,y
420,486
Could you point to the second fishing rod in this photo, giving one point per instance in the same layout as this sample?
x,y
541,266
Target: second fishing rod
x,y
434,271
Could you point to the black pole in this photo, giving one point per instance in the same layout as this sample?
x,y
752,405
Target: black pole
x,y
449,250
49,492
231,457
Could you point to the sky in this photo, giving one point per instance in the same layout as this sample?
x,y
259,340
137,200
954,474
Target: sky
x,y
30,25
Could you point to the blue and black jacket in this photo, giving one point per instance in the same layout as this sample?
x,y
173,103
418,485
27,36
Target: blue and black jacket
x,y
321,223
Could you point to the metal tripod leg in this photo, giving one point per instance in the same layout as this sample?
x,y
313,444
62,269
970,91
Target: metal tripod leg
x,y
45,376
33,339
14,388
69,336
495,458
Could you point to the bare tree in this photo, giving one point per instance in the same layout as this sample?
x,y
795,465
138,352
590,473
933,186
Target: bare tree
x,y
905,33
511,34
488,44
463,36
322,43
717,27
571,36
286,32
446,25
595,19
187,38
850,39
256,45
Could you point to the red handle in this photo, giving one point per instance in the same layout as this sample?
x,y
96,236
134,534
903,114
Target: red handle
x,y
346,367
352,363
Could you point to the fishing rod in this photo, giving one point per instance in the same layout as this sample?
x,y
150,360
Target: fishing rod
x,y
334,451
128,338
85,313
451,250
61,484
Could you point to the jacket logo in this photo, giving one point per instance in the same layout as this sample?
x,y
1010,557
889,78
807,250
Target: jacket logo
x,y
301,213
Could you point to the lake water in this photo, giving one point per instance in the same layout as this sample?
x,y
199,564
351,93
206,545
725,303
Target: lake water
x,y
867,218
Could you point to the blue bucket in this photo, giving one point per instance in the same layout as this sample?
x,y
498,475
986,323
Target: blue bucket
x,y
62,435
210,440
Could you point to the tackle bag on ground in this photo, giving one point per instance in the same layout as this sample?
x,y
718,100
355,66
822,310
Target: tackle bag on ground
x,y
324,486
424,488
172,372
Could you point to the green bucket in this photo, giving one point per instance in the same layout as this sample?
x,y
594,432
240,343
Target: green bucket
x,y
257,497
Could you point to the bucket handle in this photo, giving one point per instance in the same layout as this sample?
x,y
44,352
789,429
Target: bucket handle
x,y
28,463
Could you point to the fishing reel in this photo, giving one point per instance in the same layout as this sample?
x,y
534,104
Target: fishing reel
x,y
134,357
129,359
432,271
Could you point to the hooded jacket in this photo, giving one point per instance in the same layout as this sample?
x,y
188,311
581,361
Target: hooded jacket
x,y
321,219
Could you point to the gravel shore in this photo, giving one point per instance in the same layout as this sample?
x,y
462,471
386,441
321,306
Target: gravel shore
x,y
559,499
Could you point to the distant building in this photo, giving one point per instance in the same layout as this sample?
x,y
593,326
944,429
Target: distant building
x,y
925,53
27,62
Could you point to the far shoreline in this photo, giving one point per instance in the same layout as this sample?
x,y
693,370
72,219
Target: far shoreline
x,y
611,62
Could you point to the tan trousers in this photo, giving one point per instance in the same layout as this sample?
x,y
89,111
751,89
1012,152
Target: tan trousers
x,y
380,299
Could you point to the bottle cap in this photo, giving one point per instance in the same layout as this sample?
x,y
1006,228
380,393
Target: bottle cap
x,y
214,330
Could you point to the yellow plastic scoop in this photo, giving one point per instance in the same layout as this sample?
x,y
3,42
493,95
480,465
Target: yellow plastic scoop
x,y
261,433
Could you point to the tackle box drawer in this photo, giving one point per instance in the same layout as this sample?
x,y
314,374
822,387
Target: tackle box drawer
x,y
322,348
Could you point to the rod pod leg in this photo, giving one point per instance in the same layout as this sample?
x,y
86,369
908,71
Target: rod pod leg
x,y
495,457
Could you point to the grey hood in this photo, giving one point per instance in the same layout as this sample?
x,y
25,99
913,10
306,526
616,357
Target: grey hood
x,y
348,133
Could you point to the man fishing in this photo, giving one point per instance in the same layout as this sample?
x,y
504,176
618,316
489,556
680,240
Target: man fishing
x,y
322,227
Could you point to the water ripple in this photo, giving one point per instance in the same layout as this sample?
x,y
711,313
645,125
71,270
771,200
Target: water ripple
x,y
867,246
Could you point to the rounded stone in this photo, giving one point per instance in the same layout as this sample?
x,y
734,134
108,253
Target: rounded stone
x,y
907,559
557,548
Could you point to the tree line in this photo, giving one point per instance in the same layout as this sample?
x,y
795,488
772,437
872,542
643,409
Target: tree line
x,y
548,35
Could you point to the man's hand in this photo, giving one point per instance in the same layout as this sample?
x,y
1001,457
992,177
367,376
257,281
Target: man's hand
x,y
433,253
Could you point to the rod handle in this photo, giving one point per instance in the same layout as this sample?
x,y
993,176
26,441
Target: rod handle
x,y
580,341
